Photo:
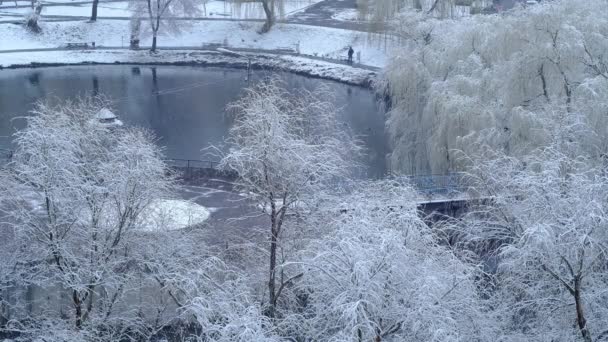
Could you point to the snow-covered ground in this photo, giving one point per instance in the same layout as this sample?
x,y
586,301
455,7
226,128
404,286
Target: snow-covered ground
x,y
165,215
120,9
309,40
346,15
160,215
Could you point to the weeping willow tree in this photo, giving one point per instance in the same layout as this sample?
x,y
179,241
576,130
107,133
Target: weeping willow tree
x,y
385,11
271,9
501,81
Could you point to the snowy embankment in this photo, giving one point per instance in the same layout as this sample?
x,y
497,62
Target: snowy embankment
x,y
316,42
299,65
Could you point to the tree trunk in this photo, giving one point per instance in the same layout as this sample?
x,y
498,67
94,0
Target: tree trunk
x,y
580,315
32,22
78,307
543,80
268,6
273,264
94,10
153,49
433,7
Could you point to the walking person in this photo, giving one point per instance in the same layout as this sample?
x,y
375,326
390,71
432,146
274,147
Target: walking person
x,y
351,52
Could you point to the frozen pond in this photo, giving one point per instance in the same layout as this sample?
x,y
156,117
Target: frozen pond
x,y
183,106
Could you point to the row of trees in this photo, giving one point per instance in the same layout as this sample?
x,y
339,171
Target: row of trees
x,y
166,11
386,11
340,259
173,13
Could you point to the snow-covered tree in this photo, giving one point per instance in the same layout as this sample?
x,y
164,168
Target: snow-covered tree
x,y
548,216
452,79
388,11
272,9
165,12
379,273
73,198
286,149
32,17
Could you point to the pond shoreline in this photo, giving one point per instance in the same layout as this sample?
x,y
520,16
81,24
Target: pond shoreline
x,y
302,66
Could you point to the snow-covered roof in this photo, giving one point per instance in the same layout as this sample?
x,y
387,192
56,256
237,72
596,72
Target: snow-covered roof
x,y
105,114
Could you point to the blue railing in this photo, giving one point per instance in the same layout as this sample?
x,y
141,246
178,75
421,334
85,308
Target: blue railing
x,y
192,163
443,184
449,184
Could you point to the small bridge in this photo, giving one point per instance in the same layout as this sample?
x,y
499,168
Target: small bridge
x,y
443,195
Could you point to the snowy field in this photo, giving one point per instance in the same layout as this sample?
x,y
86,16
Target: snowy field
x,y
120,9
310,40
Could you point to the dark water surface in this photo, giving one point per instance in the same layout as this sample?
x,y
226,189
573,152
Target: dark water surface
x,y
183,106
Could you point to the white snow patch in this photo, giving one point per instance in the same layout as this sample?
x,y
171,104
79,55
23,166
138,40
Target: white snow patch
x,y
105,114
166,215
346,15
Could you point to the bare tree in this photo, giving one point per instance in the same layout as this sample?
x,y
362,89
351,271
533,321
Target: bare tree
x,y
285,149
165,11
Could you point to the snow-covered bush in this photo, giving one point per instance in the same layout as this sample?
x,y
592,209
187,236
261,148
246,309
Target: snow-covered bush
x,y
379,275
228,312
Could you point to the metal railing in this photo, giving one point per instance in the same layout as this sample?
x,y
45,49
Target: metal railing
x,y
438,184
193,169
450,183
191,163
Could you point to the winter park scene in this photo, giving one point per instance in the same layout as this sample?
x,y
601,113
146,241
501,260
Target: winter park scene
x,y
304,170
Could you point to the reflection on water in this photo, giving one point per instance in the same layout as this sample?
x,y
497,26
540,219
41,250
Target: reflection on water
x,y
183,106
